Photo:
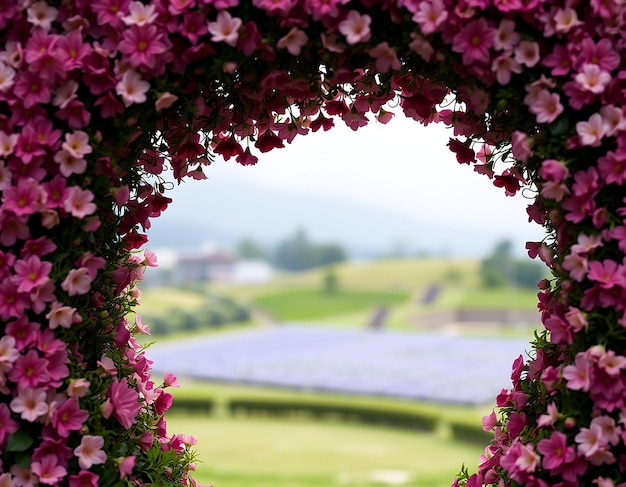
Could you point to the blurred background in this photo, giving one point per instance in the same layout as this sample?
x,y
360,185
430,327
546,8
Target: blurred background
x,y
343,313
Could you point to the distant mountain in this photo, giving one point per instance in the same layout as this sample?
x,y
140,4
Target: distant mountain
x,y
225,213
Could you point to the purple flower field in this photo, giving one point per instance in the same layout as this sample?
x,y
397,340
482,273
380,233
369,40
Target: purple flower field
x,y
424,366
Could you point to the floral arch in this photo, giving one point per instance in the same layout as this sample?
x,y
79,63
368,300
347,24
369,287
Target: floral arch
x,y
98,98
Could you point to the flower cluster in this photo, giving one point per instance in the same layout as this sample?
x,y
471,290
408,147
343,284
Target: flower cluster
x,y
100,98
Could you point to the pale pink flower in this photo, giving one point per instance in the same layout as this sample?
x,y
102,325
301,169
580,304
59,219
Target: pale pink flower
x,y
42,15
592,78
612,363
78,281
386,57
107,365
170,380
613,118
489,422
506,38
6,176
578,375
430,16
504,65
421,46
528,460
90,452
576,265
30,403
566,19
576,318
7,76
69,164
60,315
356,27
78,387
140,14
520,146
589,441
8,353
7,143
609,431
79,202
547,107
293,41
64,94
527,53
77,143
225,28
132,88
592,131
48,470
550,418
164,101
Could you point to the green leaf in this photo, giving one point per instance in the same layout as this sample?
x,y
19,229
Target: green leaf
x,y
559,126
19,441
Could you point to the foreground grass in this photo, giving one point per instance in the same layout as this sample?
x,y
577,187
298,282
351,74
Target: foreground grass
x,y
266,452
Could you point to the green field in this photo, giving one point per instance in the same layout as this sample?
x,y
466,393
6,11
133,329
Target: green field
x,y
310,304
266,452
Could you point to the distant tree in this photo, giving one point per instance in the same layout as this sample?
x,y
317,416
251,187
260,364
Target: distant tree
x,y
330,283
500,269
298,253
249,249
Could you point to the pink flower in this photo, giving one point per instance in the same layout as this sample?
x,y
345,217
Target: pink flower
x,y
293,41
60,315
592,78
84,479
527,53
225,28
164,101
68,417
30,403
31,273
607,273
48,470
547,106
386,57
125,465
90,452
77,143
30,370
505,38
555,451
142,44
591,132
578,376
566,19
550,418
125,402
78,281
430,16
170,380
24,199
132,88
79,202
504,65
474,41
8,354
356,27
140,14
42,15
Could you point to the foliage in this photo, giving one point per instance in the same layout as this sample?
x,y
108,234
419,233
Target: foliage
x,y
249,249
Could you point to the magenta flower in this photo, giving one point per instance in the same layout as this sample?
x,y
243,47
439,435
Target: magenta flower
x,y
142,44
555,451
31,273
68,417
84,479
474,41
30,370
125,402
8,425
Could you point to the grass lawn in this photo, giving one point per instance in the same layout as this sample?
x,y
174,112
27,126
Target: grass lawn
x,y
307,304
267,452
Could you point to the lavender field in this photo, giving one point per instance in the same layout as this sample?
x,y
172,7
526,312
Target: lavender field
x,y
419,366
